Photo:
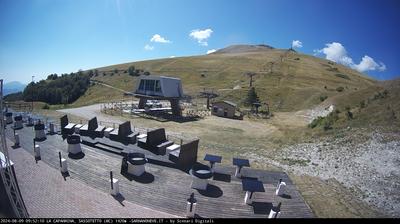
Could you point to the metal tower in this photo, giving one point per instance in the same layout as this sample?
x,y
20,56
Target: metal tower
x,y
6,171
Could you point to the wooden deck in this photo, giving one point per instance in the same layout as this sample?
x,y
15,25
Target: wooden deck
x,y
165,188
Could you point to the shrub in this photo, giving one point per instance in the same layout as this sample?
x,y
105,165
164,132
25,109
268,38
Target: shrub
x,y
349,115
385,93
46,107
333,69
362,104
316,122
343,76
90,73
340,89
325,122
322,98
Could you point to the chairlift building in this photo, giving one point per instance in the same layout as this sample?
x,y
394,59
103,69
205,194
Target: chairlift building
x,y
160,88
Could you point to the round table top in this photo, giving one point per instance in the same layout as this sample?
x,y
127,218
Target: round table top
x,y
73,139
137,159
201,171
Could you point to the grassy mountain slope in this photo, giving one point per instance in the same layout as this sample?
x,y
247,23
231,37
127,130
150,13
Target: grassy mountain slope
x,y
287,80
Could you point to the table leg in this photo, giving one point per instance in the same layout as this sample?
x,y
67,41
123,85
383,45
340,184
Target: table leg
x,y
247,197
237,172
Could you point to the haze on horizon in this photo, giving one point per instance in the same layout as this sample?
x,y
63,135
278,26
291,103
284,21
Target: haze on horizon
x,y
41,37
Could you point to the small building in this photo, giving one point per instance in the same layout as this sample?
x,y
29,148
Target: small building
x,y
224,109
160,88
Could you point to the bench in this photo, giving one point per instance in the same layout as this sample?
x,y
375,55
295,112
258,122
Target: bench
x,y
155,141
66,127
186,155
124,134
92,129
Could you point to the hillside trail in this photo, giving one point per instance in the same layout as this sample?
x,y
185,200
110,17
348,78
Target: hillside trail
x,y
109,86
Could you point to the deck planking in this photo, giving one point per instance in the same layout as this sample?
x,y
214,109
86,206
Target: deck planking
x,y
166,188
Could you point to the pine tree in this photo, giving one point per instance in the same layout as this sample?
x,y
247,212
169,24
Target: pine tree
x,y
251,97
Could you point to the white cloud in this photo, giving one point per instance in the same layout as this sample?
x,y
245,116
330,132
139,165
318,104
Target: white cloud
x,y
201,36
159,39
148,47
368,64
337,52
297,44
211,51
172,56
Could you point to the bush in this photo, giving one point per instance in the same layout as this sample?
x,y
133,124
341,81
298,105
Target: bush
x,y
349,115
90,73
326,122
322,98
316,122
46,107
340,89
385,93
333,69
362,104
343,76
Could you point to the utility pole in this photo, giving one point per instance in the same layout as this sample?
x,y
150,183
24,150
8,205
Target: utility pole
x,y
251,74
209,95
271,67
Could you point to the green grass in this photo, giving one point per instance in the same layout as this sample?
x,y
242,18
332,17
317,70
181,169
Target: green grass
x,y
292,85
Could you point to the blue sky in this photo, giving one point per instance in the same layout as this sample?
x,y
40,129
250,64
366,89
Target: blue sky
x,y
59,36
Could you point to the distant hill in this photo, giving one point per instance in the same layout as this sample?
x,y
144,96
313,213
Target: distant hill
x,y
287,80
243,49
13,87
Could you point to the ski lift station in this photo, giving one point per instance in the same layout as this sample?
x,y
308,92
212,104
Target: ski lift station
x,y
160,88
